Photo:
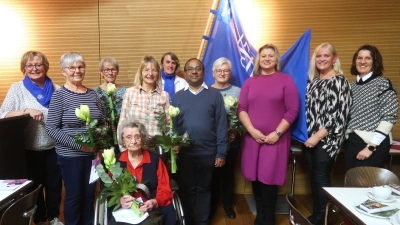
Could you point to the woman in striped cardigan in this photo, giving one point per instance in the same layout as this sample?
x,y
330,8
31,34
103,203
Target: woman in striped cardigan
x,y
74,159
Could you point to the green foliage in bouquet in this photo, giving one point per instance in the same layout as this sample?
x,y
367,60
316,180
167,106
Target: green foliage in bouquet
x,y
121,183
96,135
233,120
170,138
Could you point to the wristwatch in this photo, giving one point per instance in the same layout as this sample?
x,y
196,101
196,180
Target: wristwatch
x,y
371,148
278,133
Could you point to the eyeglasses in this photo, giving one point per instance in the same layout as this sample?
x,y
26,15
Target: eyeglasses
x,y
220,71
192,69
367,58
110,70
150,71
73,68
37,66
137,137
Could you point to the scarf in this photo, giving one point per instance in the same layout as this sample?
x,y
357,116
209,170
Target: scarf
x,y
169,83
43,96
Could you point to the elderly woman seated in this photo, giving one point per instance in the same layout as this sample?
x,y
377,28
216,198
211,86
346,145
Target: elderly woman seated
x,y
145,166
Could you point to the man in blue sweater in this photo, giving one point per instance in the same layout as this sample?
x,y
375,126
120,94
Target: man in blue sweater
x,y
203,116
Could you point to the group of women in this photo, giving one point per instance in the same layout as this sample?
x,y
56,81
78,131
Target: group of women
x,y
54,156
359,116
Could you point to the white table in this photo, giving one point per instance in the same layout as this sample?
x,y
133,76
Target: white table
x,y
7,197
347,198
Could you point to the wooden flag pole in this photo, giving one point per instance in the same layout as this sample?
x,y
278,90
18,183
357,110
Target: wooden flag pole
x,y
206,33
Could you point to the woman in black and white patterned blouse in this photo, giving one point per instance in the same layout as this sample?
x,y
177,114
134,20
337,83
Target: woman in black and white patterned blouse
x,y
373,113
327,107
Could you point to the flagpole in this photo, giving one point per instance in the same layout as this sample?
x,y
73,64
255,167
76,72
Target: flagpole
x,y
210,19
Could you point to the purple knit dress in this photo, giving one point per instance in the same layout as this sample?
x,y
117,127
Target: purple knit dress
x,y
268,99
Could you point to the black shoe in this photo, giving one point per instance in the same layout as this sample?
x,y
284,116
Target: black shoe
x,y
229,212
311,219
316,219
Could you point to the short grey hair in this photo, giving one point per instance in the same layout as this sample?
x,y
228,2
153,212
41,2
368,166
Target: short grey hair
x,y
221,61
135,124
70,58
111,60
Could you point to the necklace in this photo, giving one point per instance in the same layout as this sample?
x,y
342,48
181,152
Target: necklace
x,y
321,78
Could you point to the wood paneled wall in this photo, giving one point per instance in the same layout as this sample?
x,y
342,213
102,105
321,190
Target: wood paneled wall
x,y
129,29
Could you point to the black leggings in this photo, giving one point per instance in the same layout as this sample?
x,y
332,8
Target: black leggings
x,y
319,165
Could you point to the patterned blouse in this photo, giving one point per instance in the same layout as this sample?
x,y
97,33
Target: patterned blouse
x,y
145,107
327,105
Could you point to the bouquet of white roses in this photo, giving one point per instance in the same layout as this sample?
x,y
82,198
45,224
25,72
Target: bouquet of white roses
x,y
96,135
170,138
121,183
233,120
109,101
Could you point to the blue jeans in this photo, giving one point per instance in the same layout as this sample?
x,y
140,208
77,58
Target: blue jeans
x,y
79,194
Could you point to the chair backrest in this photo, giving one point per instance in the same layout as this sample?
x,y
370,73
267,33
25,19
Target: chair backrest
x,y
297,217
22,210
366,176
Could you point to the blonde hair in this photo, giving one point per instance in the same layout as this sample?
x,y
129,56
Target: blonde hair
x,y
30,55
257,68
147,59
313,72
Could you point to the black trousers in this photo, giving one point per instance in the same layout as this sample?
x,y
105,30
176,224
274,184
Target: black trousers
x,y
195,187
43,169
319,165
224,177
354,144
265,196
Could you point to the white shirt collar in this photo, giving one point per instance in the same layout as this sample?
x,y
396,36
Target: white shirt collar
x,y
202,87
364,78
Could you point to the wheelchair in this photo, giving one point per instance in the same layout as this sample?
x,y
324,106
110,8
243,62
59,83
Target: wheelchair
x,y
101,210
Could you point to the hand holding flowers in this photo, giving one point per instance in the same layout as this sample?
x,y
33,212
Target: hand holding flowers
x,y
118,187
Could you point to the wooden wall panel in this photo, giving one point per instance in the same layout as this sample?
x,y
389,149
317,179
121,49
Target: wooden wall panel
x,y
131,29
55,27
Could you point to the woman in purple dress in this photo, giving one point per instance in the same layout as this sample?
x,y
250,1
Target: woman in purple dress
x,y
268,105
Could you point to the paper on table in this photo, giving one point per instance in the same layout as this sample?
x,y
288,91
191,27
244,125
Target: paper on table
x,y
15,182
129,216
10,185
93,173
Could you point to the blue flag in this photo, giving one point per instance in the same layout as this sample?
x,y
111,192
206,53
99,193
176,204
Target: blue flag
x,y
295,62
227,39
